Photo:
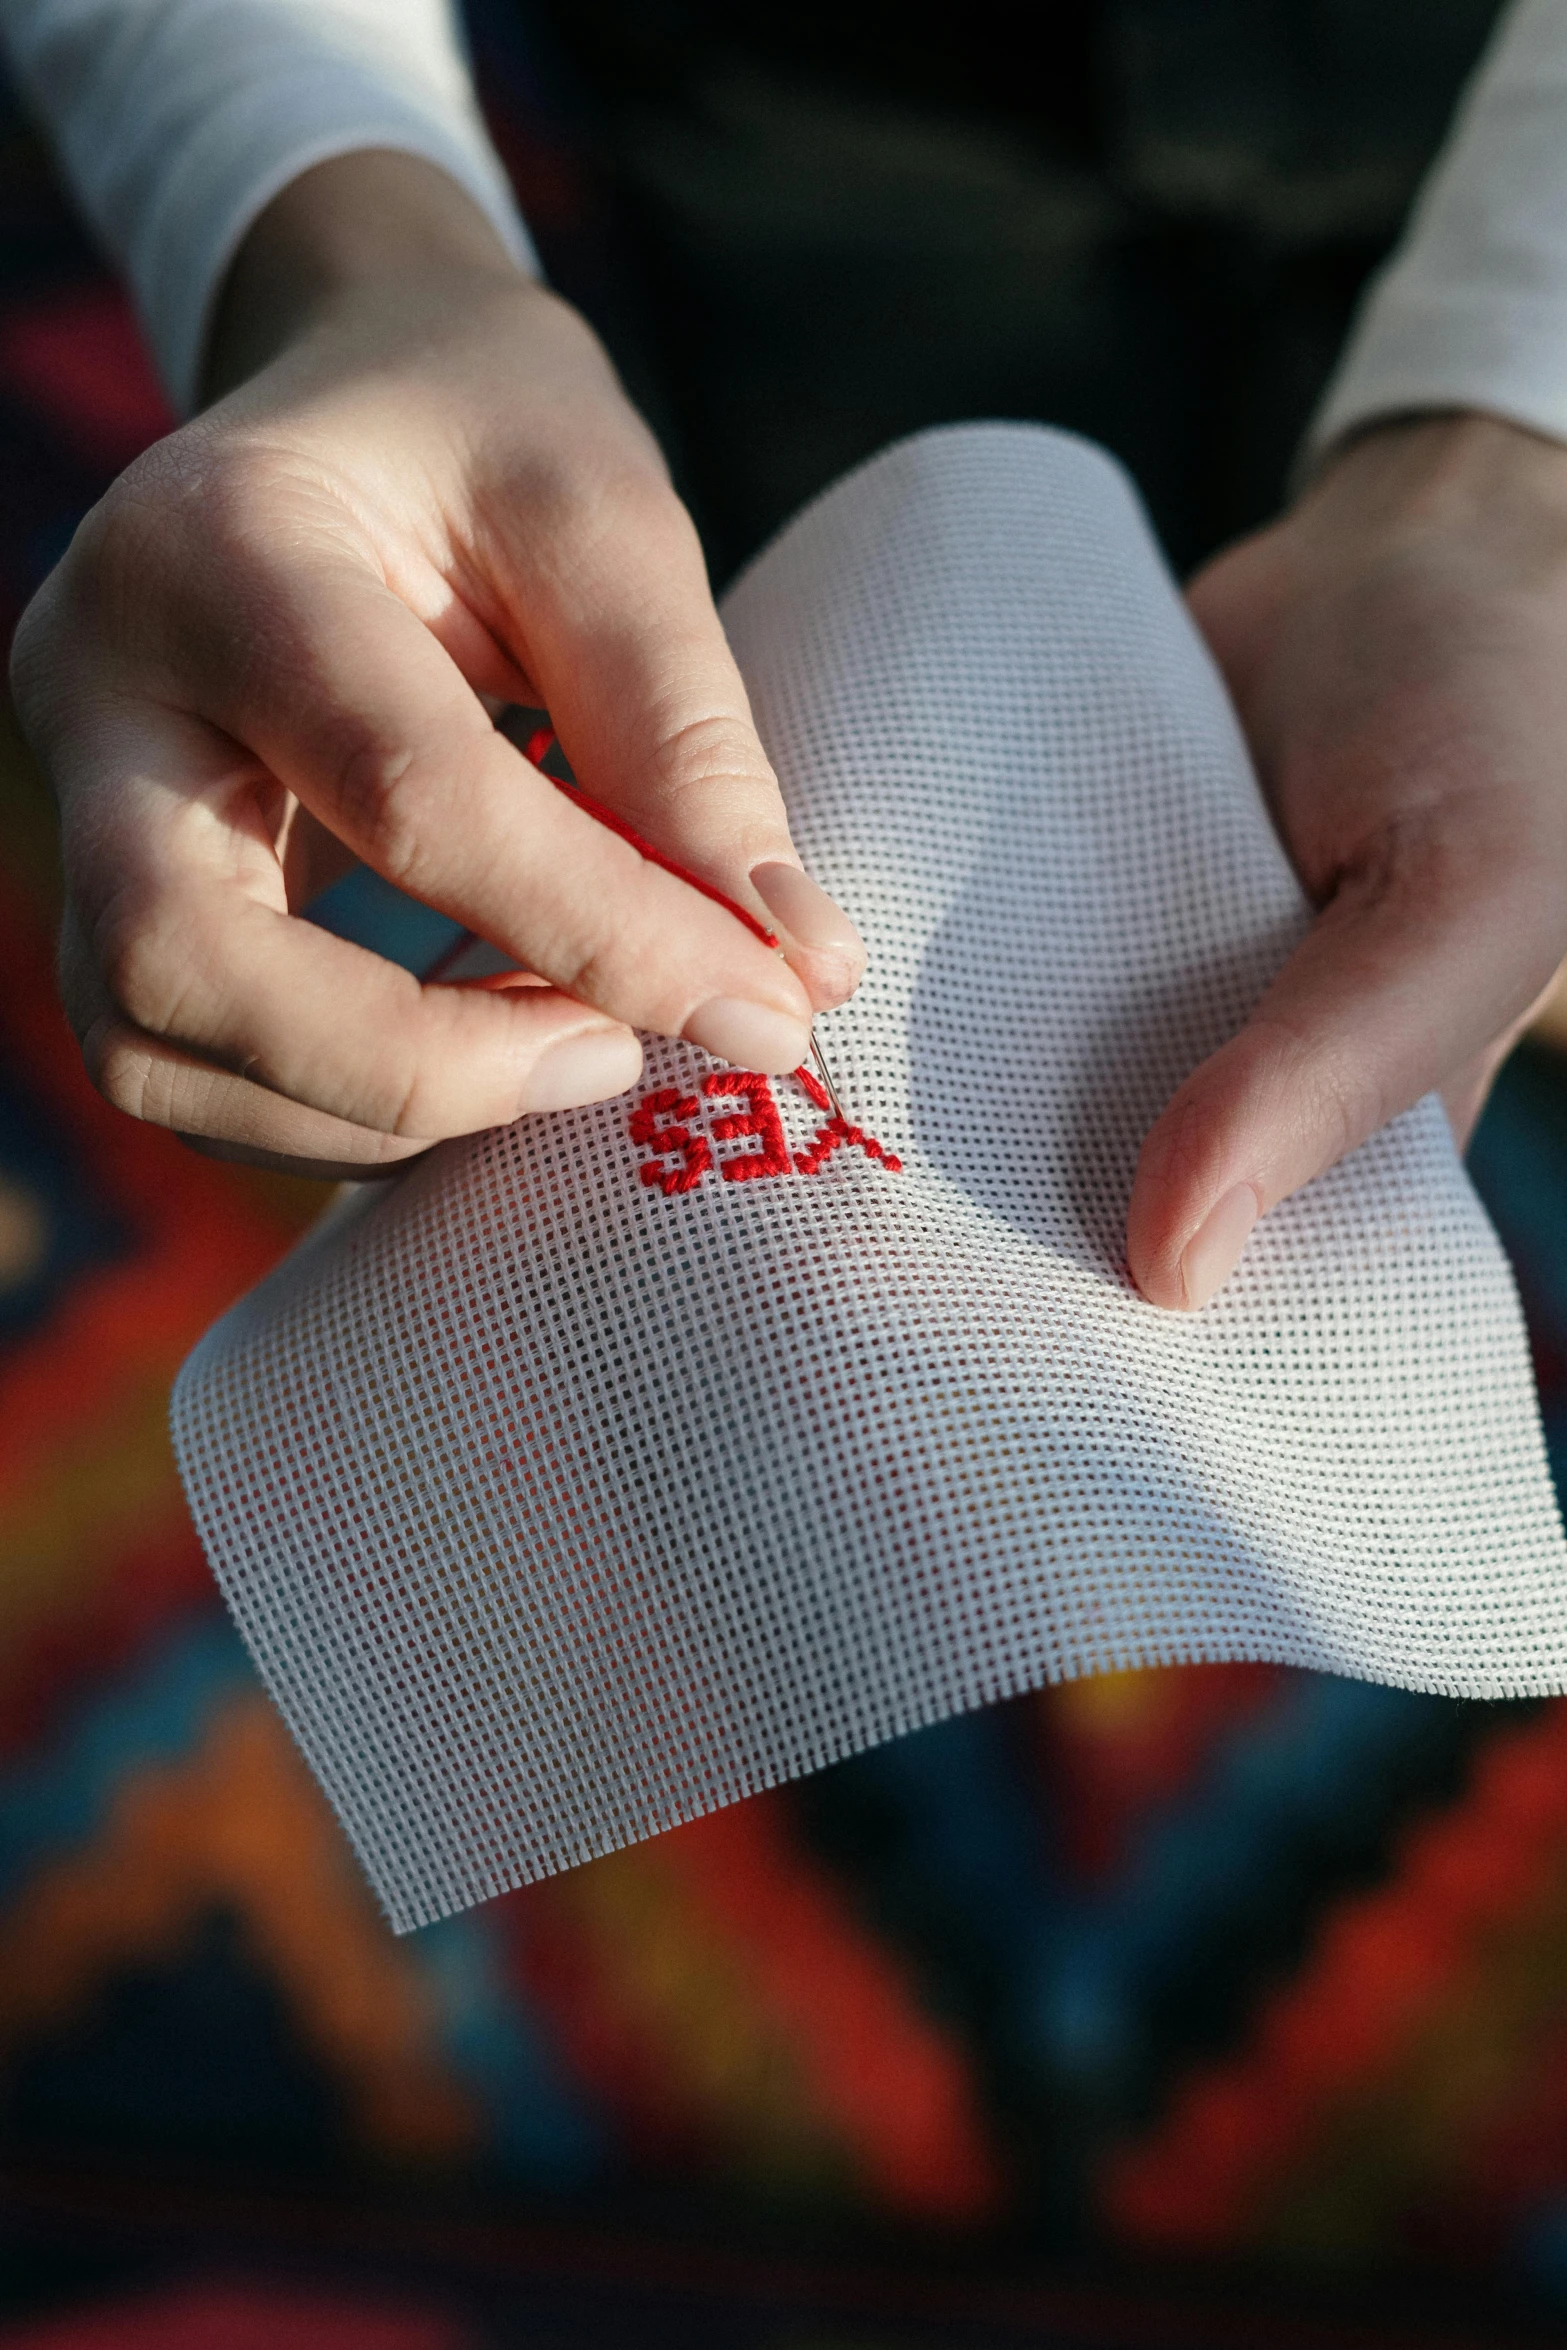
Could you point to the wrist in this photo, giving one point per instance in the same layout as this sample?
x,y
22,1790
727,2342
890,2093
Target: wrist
x,y
375,225
1441,471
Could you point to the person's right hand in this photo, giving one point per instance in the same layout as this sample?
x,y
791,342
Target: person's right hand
x,y
1396,647
264,655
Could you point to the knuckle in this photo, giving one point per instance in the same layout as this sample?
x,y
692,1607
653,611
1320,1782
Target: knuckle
x,y
583,508
634,494
1337,1091
595,491
134,541
134,956
404,1108
373,787
159,964
399,1079
1346,1104
717,748
125,1071
417,1104
137,579
370,783
713,789
178,564
602,961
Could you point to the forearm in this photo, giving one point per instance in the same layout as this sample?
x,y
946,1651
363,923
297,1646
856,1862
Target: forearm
x,y
1471,312
180,122
381,227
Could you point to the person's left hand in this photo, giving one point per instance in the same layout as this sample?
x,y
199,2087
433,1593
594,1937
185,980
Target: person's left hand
x,y
276,644
1397,649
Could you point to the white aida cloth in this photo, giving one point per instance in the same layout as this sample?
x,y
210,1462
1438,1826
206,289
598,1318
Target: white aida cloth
x,y
583,1484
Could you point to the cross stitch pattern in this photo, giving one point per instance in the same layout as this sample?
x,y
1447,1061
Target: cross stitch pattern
x,y
680,1160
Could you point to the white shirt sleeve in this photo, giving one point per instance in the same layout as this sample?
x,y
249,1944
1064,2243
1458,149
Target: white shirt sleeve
x,y
179,120
1471,312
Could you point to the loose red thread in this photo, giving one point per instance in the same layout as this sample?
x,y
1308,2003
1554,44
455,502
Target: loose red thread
x,y
669,1141
536,750
807,1079
760,1118
542,741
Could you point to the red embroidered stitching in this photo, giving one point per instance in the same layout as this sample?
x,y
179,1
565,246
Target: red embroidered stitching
x,y
836,1133
759,1118
834,1136
643,1127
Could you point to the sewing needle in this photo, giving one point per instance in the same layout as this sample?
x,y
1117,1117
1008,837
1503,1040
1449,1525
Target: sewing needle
x,y
826,1077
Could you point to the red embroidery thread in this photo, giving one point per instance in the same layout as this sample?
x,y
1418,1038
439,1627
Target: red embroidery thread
x,y
539,745
536,750
760,1118
836,1132
695,1155
833,1136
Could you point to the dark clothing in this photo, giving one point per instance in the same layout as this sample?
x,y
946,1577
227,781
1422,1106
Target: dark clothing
x,y
1147,219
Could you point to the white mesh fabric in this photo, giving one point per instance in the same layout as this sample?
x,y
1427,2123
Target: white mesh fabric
x,y
557,1507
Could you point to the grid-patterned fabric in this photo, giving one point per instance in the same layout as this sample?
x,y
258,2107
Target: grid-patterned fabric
x,y
581,1485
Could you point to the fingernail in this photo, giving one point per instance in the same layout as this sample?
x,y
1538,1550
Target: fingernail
x,y
590,1067
1214,1250
806,911
748,1036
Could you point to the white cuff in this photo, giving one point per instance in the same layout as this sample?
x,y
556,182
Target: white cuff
x,y
1472,310
1457,347
180,120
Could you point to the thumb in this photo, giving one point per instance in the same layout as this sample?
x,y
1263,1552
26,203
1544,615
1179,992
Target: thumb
x,y
1422,960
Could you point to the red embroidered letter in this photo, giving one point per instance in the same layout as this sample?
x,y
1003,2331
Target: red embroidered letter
x,y
666,1141
836,1133
759,1118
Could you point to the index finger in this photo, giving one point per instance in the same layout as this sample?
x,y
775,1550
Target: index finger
x,y
351,702
618,628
